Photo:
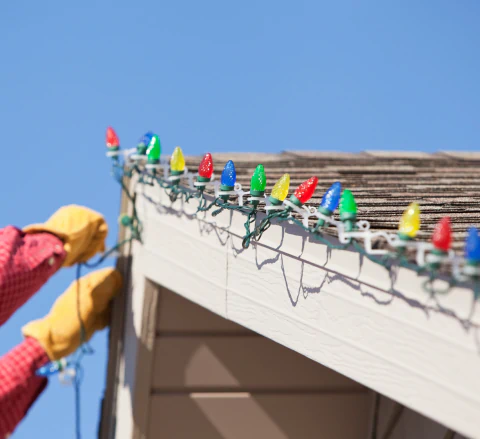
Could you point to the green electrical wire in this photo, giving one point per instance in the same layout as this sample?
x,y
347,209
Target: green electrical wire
x,y
85,348
175,192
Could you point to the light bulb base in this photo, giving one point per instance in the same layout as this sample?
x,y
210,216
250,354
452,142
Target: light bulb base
x,y
113,148
201,183
296,201
274,201
113,152
225,188
472,268
259,194
436,258
141,149
175,176
404,237
348,219
323,211
153,161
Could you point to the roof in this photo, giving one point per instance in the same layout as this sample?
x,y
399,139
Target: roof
x,y
384,183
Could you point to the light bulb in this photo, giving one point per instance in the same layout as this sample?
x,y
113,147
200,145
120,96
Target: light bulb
x,y
329,202
348,210
410,222
258,181
280,190
472,246
442,235
228,179
205,169
177,162
331,198
112,140
51,368
154,150
143,143
348,206
229,176
304,192
147,137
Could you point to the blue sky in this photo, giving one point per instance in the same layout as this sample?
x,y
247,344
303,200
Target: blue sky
x,y
212,76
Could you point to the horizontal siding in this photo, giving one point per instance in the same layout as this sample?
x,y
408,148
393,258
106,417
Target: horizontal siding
x,y
214,379
250,416
243,362
181,316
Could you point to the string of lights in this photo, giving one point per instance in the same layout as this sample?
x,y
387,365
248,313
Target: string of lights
x,y
429,257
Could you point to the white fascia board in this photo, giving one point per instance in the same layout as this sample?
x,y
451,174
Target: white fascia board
x,y
334,306
124,425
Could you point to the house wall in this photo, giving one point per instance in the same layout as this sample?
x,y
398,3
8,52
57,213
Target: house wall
x,y
212,378
332,306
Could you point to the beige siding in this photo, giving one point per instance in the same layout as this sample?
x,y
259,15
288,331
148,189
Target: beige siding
x,y
179,315
250,416
214,379
243,362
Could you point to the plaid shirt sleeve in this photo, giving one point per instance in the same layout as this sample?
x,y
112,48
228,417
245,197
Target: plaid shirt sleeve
x,y
19,386
26,263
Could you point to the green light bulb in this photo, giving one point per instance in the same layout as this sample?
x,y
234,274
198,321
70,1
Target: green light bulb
x,y
348,210
154,150
258,183
347,203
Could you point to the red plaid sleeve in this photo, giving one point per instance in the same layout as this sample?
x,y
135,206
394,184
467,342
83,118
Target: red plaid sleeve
x,y
19,386
26,263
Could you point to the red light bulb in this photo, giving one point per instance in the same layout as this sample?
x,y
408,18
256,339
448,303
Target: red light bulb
x,y
205,169
442,235
112,139
305,191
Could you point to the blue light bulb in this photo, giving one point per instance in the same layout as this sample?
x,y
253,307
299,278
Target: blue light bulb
x,y
472,245
145,139
229,175
331,198
51,368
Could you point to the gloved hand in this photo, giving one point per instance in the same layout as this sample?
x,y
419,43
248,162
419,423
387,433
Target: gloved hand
x,y
83,232
59,331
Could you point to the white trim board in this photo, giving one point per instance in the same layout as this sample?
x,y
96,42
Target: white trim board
x,y
333,306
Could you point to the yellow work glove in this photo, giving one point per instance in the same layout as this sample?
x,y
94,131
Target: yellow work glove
x,y
83,232
59,331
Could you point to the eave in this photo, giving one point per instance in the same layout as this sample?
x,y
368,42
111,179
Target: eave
x,y
398,342
336,307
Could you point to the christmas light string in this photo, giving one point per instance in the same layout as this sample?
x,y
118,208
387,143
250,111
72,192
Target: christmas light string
x,y
147,162
429,256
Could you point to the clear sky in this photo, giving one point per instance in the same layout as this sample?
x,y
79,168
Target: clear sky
x,y
212,76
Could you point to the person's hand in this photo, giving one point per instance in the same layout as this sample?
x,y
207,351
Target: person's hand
x,y
59,332
83,232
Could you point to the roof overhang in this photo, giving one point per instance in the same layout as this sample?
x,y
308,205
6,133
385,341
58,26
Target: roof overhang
x,y
336,307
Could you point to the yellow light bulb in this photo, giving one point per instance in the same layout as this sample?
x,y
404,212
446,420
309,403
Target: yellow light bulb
x,y
280,190
177,162
410,221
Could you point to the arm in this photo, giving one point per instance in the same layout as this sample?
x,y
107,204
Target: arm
x,y
28,257
26,262
19,386
53,337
